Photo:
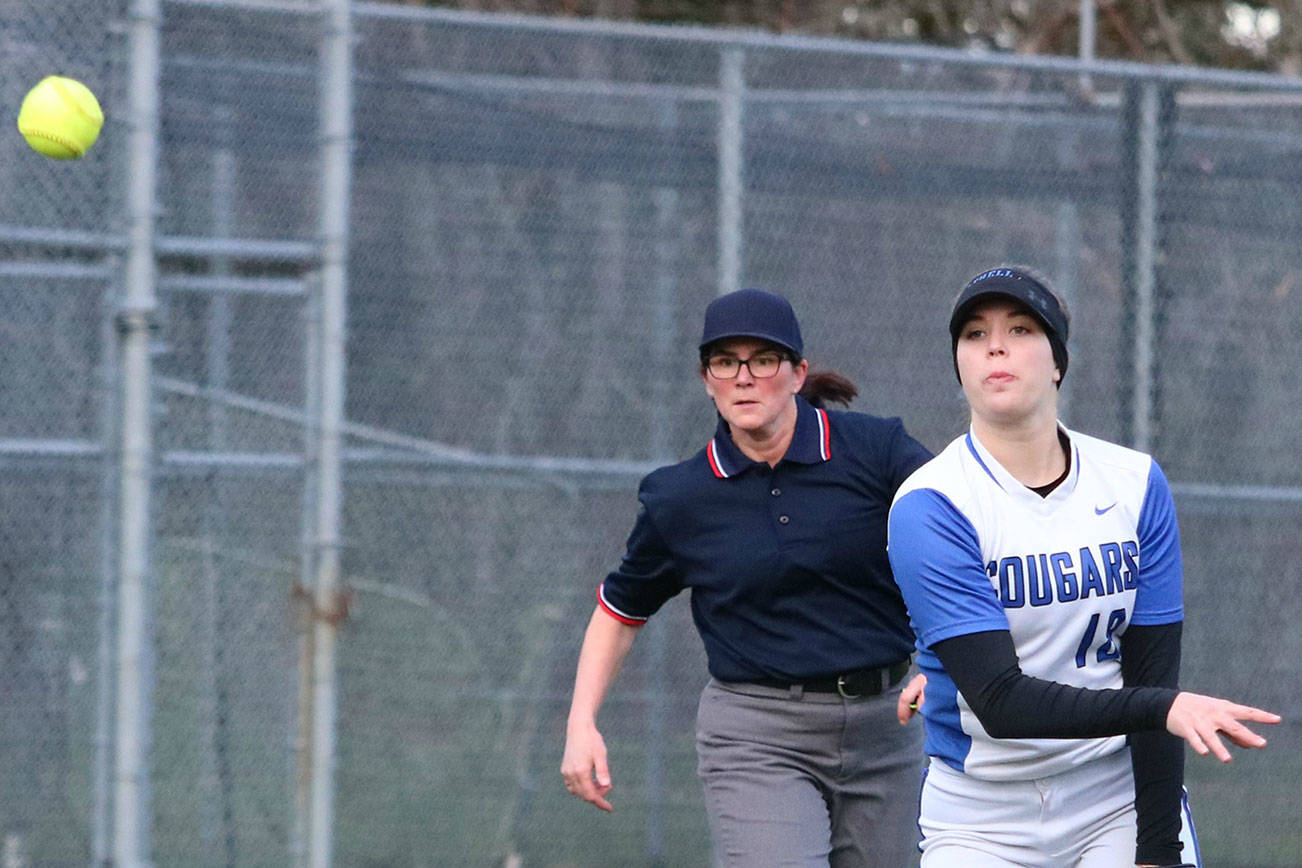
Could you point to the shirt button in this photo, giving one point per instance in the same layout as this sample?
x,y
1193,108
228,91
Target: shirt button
x,y
783,519
775,492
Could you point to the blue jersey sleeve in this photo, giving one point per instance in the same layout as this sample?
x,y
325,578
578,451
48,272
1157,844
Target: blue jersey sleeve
x,y
936,558
1159,598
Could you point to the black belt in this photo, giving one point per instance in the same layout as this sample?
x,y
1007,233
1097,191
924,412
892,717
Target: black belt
x,y
850,685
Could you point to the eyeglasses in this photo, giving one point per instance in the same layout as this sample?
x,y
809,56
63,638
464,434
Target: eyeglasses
x,y
762,365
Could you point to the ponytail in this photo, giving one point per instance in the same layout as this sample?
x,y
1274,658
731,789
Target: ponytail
x,y
824,386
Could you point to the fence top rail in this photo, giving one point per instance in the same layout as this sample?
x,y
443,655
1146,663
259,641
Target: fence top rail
x,y
297,7
741,39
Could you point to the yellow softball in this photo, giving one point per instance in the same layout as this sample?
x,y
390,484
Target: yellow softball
x,y
60,118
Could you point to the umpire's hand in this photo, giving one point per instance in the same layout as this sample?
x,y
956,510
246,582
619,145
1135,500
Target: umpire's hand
x,y
584,764
911,698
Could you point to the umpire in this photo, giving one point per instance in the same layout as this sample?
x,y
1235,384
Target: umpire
x,y
778,528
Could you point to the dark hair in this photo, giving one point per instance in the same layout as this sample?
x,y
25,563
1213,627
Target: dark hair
x,y
823,386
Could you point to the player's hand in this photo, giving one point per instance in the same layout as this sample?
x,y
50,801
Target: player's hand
x,y
584,765
911,698
1197,719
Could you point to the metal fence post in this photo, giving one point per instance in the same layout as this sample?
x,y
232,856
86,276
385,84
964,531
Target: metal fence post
x,y
336,132
217,827
731,86
1088,36
1145,278
132,819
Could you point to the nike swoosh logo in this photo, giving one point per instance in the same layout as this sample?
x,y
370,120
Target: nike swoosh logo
x,y
1098,511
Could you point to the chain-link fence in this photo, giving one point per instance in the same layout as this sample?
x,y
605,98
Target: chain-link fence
x,y
540,211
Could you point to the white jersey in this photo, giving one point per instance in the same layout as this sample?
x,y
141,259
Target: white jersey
x,y
973,550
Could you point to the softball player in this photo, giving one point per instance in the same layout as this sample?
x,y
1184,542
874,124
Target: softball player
x,y
778,528
1042,573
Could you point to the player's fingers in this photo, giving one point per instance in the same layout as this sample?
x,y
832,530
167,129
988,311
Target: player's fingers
x,y
1218,750
601,769
1242,736
1256,715
1247,738
1195,741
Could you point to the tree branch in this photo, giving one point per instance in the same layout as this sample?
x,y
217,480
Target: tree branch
x,y
1171,33
1123,30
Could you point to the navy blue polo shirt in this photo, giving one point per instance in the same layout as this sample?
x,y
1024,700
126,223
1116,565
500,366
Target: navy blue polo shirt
x,y
787,564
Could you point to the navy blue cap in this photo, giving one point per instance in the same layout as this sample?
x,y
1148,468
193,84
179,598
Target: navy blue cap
x,y
753,313
1020,285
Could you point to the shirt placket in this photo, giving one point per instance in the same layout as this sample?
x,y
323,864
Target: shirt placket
x,y
779,503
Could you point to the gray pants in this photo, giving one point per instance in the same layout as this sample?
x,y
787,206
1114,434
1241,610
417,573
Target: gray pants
x,y
808,780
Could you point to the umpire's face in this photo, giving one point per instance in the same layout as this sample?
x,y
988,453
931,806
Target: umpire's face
x,y
758,405
1006,364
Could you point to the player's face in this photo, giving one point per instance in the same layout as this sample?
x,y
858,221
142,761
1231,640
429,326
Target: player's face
x,y
1006,364
754,404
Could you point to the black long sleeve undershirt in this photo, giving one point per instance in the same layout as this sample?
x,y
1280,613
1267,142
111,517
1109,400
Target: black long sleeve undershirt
x,y
1152,658
1011,704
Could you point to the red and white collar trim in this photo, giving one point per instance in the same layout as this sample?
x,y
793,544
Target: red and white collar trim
x,y
714,455
824,435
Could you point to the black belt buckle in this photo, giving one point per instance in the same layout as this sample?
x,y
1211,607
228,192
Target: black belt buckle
x,y
853,685
845,694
